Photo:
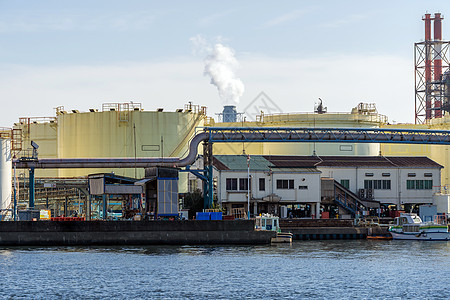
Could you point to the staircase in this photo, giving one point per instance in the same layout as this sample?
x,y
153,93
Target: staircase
x,y
347,199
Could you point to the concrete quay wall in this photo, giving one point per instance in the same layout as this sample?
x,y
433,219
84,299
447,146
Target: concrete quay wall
x,y
327,233
65,233
295,223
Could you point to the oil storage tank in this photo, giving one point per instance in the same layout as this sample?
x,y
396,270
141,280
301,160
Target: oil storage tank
x,y
364,115
116,130
5,174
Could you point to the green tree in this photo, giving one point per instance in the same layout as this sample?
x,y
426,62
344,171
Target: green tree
x,y
194,202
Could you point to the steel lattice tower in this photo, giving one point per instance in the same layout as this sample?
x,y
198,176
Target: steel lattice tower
x,y
431,60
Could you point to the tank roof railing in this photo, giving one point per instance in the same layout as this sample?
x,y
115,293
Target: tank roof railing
x,y
125,106
29,120
266,118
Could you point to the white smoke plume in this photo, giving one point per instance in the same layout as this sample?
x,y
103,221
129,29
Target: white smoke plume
x,y
220,66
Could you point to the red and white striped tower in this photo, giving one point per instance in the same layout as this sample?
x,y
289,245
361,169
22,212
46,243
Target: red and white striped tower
x,y
427,20
431,62
437,63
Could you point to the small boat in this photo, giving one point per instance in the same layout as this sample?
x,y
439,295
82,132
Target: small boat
x,y
282,237
271,223
409,226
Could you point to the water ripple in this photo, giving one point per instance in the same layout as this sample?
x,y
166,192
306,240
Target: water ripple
x,y
304,270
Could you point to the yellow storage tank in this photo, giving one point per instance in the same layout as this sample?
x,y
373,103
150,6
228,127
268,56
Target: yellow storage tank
x,y
43,131
118,130
363,116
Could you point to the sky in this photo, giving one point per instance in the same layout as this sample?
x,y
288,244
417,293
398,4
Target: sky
x,y
80,54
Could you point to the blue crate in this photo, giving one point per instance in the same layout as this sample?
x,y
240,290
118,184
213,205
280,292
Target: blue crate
x,y
203,216
216,216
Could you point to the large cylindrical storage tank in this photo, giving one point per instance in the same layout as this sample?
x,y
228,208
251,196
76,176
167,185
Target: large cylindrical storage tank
x,y
356,119
125,134
5,173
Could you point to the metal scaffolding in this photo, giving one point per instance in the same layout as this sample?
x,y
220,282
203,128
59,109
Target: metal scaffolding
x,y
431,60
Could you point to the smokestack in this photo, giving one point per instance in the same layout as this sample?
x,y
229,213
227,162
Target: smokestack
x,y
437,60
437,39
229,113
427,20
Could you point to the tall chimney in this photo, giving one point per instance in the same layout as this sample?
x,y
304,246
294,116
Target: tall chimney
x,y
427,20
437,60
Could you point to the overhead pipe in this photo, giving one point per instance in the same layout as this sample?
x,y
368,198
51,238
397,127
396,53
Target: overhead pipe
x,y
81,163
330,135
217,135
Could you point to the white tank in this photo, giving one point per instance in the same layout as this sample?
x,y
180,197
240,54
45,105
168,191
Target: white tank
x,y
5,173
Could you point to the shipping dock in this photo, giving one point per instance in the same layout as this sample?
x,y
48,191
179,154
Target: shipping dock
x,y
90,233
176,232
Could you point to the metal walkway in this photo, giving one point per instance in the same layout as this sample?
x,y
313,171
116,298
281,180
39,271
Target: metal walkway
x,y
328,135
252,134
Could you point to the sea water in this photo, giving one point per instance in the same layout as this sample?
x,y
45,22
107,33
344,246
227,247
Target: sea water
x,y
346,269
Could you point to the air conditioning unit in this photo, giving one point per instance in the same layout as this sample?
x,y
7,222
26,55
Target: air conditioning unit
x,y
369,194
362,193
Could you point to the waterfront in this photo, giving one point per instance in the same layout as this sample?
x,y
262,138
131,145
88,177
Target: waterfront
x,y
306,269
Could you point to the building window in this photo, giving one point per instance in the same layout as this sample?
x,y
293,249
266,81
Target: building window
x,y
231,184
411,174
285,184
302,187
192,185
243,184
377,184
419,184
345,183
369,174
262,184
385,174
428,174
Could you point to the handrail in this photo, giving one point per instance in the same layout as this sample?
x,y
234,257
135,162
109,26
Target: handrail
x,y
328,135
344,205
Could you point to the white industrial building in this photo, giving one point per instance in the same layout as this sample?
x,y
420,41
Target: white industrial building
x,y
284,181
271,188
389,180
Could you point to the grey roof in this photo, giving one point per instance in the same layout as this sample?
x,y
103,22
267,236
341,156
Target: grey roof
x,y
353,161
264,162
239,162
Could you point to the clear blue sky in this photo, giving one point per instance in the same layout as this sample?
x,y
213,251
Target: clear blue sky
x,y
80,54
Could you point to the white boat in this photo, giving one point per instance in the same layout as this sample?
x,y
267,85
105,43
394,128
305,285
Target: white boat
x,y
409,226
282,237
271,223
